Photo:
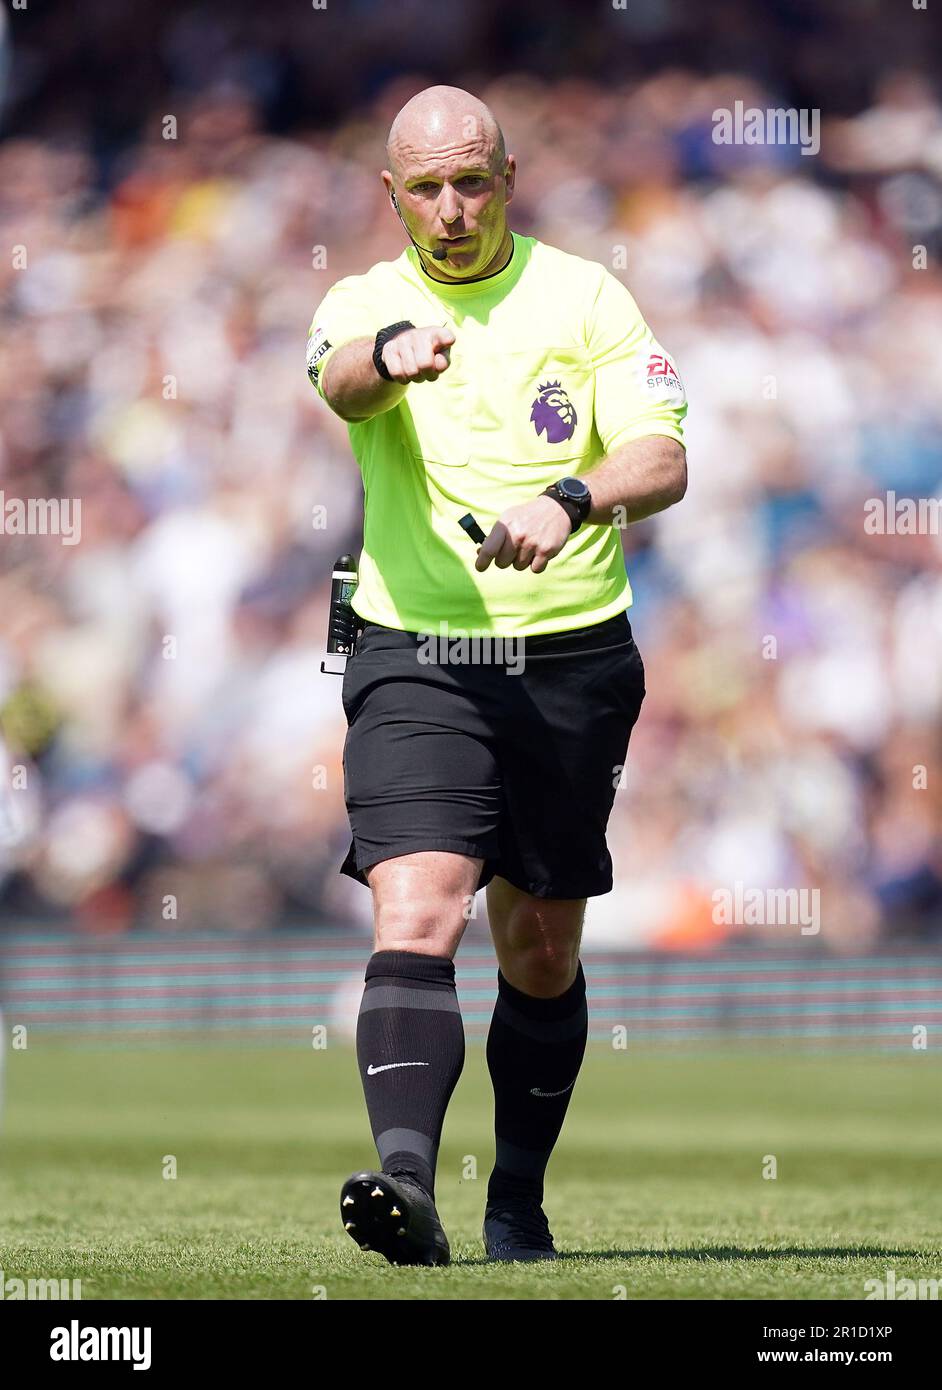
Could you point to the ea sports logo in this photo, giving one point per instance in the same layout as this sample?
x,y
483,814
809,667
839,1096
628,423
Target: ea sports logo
x,y
553,413
661,378
662,369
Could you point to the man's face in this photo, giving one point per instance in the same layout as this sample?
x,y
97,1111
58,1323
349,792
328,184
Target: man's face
x,y
453,197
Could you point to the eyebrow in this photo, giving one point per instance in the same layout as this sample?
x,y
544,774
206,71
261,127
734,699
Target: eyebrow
x,y
436,178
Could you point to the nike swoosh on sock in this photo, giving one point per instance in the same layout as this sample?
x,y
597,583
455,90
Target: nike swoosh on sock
x,y
388,1066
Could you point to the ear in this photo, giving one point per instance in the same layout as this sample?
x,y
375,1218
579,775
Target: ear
x,y
510,172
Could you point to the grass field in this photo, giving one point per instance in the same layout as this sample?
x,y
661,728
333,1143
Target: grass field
x,y
656,1188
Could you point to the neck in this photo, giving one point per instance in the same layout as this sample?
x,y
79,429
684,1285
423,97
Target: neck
x,y
498,261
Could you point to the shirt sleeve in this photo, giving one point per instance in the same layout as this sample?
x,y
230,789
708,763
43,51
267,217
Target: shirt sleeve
x,y
342,315
638,390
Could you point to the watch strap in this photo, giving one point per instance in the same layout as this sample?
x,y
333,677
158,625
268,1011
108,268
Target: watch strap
x,y
384,336
572,509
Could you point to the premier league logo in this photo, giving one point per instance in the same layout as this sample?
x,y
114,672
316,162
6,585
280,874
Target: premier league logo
x,y
554,413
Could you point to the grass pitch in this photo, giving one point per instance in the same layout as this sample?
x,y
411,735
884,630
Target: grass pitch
x,y
656,1190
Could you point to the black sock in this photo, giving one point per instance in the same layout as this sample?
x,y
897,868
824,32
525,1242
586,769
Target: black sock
x,y
534,1051
409,1014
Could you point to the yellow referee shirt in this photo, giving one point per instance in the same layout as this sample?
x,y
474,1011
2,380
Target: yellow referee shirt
x,y
552,368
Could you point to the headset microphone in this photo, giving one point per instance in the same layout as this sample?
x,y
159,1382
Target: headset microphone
x,y
439,254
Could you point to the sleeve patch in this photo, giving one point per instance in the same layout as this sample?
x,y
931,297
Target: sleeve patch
x,y
661,378
316,348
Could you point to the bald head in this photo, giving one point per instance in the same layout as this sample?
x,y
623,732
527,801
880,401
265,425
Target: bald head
x,y
444,121
450,179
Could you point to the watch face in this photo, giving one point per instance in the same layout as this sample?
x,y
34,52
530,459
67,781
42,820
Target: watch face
x,y
573,488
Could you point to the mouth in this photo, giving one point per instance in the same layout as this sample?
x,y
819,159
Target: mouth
x,y
456,242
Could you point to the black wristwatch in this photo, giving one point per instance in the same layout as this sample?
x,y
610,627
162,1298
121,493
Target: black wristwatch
x,y
574,498
382,338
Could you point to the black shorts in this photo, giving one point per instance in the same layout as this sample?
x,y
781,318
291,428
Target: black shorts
x,y
517,769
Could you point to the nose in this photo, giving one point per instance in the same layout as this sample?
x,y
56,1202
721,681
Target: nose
x,y
449,209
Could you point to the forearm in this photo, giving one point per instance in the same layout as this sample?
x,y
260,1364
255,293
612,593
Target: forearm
x,y
354,388
637,480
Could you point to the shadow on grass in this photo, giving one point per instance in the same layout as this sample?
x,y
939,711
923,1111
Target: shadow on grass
x,y
728,1254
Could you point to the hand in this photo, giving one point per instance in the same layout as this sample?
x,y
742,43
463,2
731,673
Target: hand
x,y
527,536
419,354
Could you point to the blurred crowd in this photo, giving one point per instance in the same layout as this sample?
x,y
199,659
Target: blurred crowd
x,y
174,750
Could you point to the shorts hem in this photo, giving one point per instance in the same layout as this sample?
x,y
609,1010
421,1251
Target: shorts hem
x,y
556,890
491,868
425,843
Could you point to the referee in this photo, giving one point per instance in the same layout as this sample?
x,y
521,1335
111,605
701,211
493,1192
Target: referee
x,y
484,372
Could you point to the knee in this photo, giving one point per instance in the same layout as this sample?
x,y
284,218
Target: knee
x,y
537,940
542,966
431,926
